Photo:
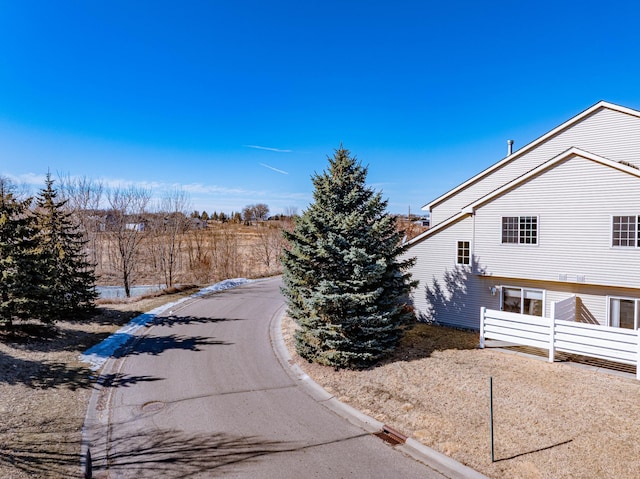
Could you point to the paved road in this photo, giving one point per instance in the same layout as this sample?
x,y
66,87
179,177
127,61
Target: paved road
x,y
202,394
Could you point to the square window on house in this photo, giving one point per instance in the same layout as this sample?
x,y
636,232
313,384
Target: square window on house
x,y
464,252
624,231
528,230
509,229
520,230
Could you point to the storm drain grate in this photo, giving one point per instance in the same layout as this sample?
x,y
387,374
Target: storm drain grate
x,y
391,436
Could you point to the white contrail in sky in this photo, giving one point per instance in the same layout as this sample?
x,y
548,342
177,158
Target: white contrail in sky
x,y
278,150
274,169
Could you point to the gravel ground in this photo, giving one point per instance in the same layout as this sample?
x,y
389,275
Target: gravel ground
x,y
550,420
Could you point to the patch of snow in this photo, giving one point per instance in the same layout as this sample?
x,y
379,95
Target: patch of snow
x,y
97,355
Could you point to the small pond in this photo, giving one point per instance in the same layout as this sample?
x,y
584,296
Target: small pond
x,y
110,292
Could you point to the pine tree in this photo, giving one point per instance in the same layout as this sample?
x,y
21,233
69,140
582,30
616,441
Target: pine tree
x,y
20,259
69,278
344,279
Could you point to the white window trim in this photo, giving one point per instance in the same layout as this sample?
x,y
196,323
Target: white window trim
x,y
636,310
611,233
522,289
537,243
456,252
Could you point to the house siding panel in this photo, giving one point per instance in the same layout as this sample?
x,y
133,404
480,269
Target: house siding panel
x,y
574,202
591,301
448,293
607,133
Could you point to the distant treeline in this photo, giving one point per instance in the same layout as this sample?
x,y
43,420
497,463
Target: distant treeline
x,y
122,237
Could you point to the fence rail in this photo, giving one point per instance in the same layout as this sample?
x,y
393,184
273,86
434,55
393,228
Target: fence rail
x,y
603,342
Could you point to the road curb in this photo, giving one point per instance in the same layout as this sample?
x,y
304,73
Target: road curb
x,y
437,461
95,426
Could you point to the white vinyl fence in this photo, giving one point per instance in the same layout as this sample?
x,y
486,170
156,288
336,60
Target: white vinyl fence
x,y
612,344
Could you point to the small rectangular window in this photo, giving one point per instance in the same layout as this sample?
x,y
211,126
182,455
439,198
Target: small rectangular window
x,y
623,313
522,300
464,252
520,230
624,231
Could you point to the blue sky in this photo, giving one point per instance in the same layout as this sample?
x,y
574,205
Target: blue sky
x,y
241,102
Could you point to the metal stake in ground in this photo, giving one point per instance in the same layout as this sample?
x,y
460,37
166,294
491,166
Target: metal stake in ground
x,y
491,415
88,466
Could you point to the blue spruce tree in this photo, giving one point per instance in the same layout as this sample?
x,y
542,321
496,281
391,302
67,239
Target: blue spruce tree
x,y
344,279
68,279
21,261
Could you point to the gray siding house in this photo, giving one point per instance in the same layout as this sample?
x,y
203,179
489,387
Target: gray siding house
x,y
557,219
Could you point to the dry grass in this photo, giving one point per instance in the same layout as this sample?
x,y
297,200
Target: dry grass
x,y
221,251
551,420
44,389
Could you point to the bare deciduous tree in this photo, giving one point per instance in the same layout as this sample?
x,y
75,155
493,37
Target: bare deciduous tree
x,y
290,211
170,223
84,197
81,193
266,251
288,218
226,254
199,253
257,212
247,214
125,229
261,211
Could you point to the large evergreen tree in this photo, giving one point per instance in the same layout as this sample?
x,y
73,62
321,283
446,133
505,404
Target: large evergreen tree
x,y
67,277
344,278
20,258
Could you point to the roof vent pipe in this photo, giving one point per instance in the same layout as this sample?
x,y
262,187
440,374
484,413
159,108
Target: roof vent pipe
x,y
509,147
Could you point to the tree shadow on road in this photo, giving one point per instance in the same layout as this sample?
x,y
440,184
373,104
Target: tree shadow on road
x,y
156,345
173,454
155,453
175,320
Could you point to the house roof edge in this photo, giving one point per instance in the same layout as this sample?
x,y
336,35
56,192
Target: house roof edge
x,y
563,126
570,152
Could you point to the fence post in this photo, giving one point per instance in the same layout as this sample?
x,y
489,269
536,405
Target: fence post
x,y
552,334
483,311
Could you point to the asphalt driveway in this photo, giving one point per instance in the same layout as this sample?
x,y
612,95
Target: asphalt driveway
x,y
201,393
